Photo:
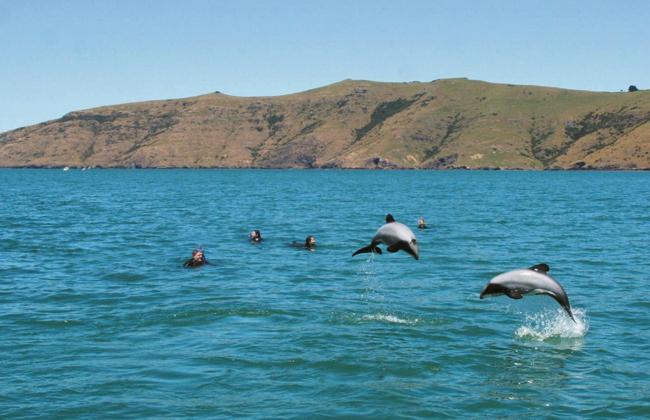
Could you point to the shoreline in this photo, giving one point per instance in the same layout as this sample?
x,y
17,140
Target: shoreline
x,y
487,169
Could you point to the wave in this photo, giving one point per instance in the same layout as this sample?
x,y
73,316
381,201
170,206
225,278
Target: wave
x,y
552,324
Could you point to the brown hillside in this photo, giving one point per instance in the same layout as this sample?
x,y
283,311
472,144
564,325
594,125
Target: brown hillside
x,y
454,123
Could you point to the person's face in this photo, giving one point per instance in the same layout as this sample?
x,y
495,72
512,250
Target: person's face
x,y
198,256
312,241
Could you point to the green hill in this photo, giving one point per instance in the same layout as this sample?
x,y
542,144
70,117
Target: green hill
x,y
453,123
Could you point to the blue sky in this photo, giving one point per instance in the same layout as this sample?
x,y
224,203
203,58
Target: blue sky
x,y
59,56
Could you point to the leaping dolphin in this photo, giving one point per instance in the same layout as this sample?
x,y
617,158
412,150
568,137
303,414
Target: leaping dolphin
x,y
396,236
534,280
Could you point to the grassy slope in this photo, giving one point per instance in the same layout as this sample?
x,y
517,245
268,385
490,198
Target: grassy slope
x,y
445,123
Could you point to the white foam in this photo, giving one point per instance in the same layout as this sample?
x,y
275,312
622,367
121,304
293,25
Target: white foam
x,y
551,324
389,318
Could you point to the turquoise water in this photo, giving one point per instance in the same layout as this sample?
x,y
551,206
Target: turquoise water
x,y
98,318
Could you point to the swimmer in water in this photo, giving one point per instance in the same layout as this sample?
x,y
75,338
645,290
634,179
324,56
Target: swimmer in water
x,y
421,223
255,236
197,260
309,244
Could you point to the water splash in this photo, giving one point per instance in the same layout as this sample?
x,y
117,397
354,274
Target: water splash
x,y
393,319
551,324
371,284
366,268
382,317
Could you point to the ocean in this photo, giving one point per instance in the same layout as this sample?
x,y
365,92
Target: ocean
x,y
98,318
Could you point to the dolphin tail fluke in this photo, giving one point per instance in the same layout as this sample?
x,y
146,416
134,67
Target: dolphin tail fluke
x,y
369,248
564,303
568,311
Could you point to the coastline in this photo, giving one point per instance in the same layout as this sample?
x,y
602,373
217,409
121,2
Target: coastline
x,y
243,168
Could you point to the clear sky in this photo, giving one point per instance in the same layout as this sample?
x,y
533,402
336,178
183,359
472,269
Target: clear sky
x,y
60,56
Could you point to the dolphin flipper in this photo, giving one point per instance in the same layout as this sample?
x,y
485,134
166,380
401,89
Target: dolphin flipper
x,y
394,247
402,246
370,248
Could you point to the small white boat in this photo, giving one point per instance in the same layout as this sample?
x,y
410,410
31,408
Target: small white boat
x,y
67,168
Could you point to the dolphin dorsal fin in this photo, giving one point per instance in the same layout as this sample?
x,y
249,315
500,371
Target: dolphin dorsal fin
x,y
389,218
540,268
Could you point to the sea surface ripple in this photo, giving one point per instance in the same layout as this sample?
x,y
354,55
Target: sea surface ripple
x,y
98,317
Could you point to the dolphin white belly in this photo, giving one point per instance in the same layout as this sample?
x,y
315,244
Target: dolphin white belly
x,y
391,233
396,236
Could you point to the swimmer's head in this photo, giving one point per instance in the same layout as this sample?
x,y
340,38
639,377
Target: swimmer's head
x,y
198,254
310,241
